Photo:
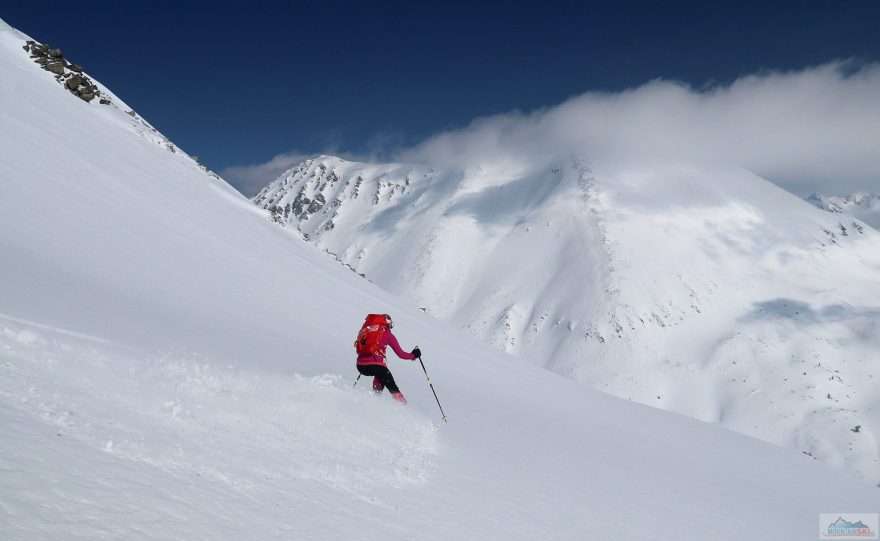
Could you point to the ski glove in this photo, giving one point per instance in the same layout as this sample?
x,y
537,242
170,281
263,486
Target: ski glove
x,y
417,352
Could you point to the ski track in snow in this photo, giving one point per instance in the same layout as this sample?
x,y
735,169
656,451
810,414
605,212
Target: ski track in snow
x,y
291,427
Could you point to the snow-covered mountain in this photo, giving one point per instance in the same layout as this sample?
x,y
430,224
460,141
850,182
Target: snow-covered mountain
x,y
862,206
706,291
173,365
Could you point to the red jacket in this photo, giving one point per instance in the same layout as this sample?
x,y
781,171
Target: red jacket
x,y
387,339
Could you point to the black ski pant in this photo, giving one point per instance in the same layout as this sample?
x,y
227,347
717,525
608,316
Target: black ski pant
x,y
382,377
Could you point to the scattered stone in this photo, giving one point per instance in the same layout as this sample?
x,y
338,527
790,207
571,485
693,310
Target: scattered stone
x,y
67,74
73,82
55,67
72,78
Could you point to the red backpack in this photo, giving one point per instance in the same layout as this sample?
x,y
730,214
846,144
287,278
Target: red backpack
x,y
371,332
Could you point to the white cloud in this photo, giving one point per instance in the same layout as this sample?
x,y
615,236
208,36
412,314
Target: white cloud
x,y
249,179
816,129
812,130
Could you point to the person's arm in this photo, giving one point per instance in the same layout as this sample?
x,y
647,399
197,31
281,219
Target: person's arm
x,y
390,340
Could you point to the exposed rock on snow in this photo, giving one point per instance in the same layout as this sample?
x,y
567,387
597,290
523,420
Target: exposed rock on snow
x,y
862,206
69,75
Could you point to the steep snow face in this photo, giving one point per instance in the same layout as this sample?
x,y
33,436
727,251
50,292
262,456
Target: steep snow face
x,y
709,292
862,206
489,256
173,365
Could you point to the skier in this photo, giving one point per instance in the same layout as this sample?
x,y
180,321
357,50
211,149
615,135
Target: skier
x,y
374,337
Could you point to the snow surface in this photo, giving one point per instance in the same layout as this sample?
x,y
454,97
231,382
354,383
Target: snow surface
x,y
706,291
173,365
861,205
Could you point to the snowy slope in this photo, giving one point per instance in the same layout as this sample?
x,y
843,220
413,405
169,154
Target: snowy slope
x,y
862,206
705,291
173,365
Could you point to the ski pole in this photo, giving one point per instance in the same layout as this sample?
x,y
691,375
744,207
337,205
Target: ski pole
x,y
357,380
432,389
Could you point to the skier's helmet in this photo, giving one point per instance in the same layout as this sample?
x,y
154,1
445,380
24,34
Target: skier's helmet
x,y
390,322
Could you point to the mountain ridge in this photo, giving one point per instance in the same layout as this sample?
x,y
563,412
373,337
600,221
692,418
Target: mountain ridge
x,y
647,281
863,206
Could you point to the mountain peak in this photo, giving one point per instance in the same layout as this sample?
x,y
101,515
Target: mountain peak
x,y
863,206
606,274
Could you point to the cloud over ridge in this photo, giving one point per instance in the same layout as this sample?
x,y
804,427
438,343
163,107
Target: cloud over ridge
x,y
808,130
815,129
248,179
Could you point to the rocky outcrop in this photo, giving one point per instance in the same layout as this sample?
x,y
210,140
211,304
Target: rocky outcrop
x,y
69,75
72,77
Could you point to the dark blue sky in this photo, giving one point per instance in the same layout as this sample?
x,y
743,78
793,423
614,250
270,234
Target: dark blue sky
x,y
237,83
